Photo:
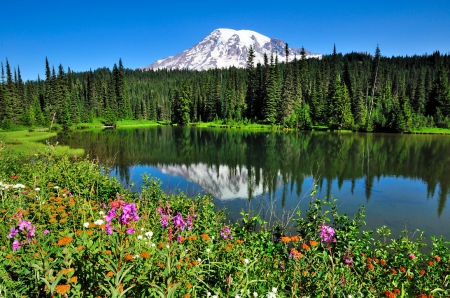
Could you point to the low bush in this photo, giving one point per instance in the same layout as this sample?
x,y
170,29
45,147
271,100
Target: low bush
x,y
69,230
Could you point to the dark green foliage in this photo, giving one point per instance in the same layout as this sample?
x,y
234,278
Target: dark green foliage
x,y
354,90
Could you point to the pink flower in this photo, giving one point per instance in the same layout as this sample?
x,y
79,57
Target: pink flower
x,y
16,245
327,234
130,231
412,256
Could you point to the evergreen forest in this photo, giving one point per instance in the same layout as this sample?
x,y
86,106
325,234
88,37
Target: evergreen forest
x,y
355,91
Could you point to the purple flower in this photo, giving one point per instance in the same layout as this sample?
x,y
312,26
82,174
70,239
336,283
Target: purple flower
x,y
108,229
412,256
327,234
16,245
164,220
24,224
348,261
130,231
13,232
45,232
129,213
226,233
178,221
179,238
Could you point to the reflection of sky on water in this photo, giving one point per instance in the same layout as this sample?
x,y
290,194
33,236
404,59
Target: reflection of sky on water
x,y
395,201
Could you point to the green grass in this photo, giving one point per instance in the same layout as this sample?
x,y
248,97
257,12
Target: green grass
x,y
431,130
27,142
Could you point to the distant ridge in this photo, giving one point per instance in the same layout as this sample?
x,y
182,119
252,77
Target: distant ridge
x,y
225,48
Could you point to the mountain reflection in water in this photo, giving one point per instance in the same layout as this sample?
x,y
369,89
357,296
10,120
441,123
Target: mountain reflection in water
x,y
403,180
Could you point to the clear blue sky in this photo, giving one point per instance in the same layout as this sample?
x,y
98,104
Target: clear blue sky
x,y
92,34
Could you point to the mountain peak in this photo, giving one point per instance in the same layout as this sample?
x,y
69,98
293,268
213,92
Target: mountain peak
x,y
224,48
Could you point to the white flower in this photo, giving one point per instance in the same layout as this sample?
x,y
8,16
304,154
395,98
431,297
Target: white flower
x,y
208,250
274,290
19,186
139,237
199,260
37,189
56,187
101,212
167,246
214,296
86,225
208,294
149,234
271,295
153,244
136,256
237,296
99,222
246,261
142,229
255,294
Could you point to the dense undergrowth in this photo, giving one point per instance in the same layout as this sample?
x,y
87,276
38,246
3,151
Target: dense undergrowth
x,y
68,230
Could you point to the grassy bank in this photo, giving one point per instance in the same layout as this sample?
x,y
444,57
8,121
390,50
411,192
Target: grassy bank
x,y
29,142
67,230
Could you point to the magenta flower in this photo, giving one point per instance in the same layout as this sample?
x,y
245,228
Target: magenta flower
x,y
13,232
16,245
327,234
130,231
225,233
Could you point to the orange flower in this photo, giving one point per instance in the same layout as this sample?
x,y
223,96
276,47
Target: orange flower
x,y
437,258
376,260
422,272
370,266
187,295
305,246
89,232
393,271
178,266
388,294
313,242
430,263
80,248
73,279
238,241
295,254
192,238
403,269
409,276
110,273
188,285
369,260
383,262
296,238
205,237
128,257
107,252
79,232
62,289
64,240
285,239
145,254
396,291
194,263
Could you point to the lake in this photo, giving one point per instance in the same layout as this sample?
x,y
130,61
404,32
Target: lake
x,y
403,180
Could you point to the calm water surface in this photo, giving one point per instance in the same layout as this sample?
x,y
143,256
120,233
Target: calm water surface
x,y
402,180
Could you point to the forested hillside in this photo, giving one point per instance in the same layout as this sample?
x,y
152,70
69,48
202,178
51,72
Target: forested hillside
x,y
355,91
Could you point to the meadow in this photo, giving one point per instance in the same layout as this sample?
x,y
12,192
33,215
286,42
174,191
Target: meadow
x,y
69,230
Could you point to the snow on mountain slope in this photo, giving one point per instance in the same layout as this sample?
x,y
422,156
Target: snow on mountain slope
x,y
225,48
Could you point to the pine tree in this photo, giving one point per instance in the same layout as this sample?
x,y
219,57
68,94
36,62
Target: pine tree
x,y
252,85
287,102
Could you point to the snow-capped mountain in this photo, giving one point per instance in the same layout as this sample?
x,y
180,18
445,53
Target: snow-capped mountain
x,y
225,48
